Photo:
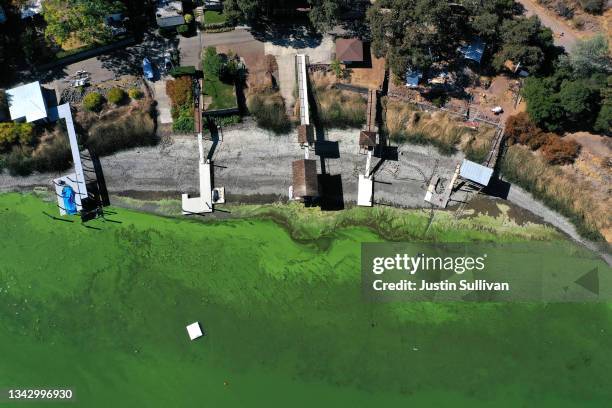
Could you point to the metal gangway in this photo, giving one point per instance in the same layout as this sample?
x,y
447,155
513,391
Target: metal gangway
x,y
301,63
371,111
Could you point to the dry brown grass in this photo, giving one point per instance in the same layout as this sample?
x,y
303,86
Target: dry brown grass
x,y
442,129
573,196
340,109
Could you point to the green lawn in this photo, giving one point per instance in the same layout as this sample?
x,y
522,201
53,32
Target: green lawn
x,y
223,95
214,17
103,310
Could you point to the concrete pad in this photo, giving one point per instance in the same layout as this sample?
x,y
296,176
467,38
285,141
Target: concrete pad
x,y
163,101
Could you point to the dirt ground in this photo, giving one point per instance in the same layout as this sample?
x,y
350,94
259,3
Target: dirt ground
x,y
371,77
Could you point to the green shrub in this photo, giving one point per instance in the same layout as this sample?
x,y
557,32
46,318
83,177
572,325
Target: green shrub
x,y
592,6
135,93
269,112
13,132
211,63
18,163
188,18
116,96
184,124
182,29
180,71
93,101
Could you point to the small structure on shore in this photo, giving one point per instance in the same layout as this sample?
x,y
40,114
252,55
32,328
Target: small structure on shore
x,y
368,141
79,191
208,196
306,136
349,50
305,182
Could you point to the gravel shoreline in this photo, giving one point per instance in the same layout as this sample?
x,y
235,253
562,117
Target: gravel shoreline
x,y
254,166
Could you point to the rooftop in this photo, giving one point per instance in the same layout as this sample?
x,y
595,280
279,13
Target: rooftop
x,y
413,77
305,183
367,139
474,50
475,172
27,101
166,8
31,8
305,134
349,50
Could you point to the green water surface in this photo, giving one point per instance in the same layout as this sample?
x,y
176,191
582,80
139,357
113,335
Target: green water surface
x,y
103,311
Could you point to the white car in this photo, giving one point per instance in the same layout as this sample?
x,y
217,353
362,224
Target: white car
x,y
497,110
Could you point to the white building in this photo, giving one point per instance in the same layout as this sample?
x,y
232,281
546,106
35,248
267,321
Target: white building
x,y
169,13
27,102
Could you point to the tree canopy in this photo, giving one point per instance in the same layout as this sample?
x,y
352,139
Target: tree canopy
x,y
80,19
416,33
323,13
591,56
578,93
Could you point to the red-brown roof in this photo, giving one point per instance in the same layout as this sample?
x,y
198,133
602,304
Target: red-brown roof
x,y
305,134
349,49
305,183
367,139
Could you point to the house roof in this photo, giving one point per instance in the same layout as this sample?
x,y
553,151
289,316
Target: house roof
x,y
305,182
475,172
413,77
349,49
367,139
305,134
31,8
27,101
474,50
169,13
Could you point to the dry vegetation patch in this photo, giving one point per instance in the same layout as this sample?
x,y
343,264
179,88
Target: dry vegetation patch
x,y
406,123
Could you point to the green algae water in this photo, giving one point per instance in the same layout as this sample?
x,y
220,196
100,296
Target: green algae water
x,y
103,310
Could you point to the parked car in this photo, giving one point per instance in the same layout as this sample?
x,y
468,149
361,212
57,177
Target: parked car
x,y
147,68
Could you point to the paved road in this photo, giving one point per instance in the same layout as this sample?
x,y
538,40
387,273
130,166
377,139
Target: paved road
x,y
558,26
237,36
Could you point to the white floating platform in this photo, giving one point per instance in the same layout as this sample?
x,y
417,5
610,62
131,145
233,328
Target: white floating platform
x,y
194,330
78,186
366,189
204,203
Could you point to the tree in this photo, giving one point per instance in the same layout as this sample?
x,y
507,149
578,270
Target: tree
x,y
412,33
542,104
578,100
591,56
323,13
524,41
603,123
81,19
